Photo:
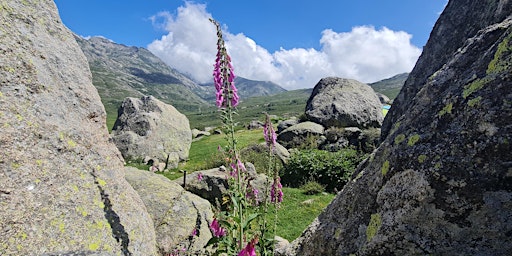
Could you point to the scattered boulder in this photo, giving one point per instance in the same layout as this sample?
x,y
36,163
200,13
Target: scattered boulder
x,y
254,124
282,153
196,134
343,102
281,245
365,140
176,213
212,184
306,132
441,181
283,125
208,184
384,100
149,127
62,186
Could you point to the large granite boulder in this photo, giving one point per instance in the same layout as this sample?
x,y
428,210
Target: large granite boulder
x,y
441,182
149,127
62,186
181,219
339,102
301,134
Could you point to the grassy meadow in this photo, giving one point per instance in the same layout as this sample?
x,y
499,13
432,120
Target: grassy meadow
x,y
297,211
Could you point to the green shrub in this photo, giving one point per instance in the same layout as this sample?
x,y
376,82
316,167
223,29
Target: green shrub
x,y
258,155
312,188
331,169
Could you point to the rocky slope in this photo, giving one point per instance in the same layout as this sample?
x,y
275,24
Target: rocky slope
x,y
441,181
62,186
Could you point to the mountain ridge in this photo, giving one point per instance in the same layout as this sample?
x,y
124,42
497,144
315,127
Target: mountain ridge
x,y
121,71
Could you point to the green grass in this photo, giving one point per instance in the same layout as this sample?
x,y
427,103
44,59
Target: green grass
x,y
295,215
284,105
204,151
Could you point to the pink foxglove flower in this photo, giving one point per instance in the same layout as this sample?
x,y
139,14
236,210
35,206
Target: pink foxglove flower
x,y
226,94
200,176
250,248
276,193
216,229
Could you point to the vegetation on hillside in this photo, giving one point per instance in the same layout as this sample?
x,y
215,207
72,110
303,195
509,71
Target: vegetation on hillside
x,y
390,86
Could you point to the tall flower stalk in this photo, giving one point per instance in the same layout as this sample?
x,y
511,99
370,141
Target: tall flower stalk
x,y
232,228
269,134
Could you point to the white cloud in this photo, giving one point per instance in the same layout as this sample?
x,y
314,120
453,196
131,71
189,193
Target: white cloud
x,y
365,53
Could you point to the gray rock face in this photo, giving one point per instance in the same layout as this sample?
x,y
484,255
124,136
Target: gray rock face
x,y
296,135
149,127
176,213
343,102
441,182
449,34
62,186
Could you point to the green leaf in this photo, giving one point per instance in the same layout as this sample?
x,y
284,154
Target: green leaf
x,y
250,219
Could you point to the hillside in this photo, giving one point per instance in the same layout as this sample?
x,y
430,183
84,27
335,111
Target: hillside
x,y
390,86
120,71
285,104
248,88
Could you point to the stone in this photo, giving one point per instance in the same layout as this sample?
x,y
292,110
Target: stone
x,y
62,185
211,186
198,134
282,153
283,125
149,127
440,49
254,124
281,245
365,140
384,100
213,183
176,213
343,102
296,135
440,183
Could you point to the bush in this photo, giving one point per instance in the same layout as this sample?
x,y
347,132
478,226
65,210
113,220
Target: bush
x,y
312,188
258,155
331,169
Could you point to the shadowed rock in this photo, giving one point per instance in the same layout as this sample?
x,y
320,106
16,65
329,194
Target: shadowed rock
x,y
441,182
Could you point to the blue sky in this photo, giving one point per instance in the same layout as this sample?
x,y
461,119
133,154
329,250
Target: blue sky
x,y
293,43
